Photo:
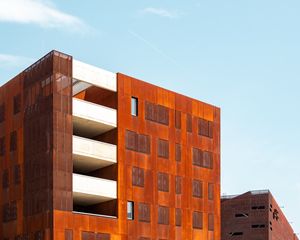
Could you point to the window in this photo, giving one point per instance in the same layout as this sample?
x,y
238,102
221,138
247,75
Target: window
x,y
144,212
137,142
68,234
137,177
134,106
5,179
163,148
2,146
202,158
205,128
2,113
17,104
210,191
210,222
236,233
17,174
163,215
198,220
189,124
13,141
163,182
156,113
178,152
177,119
197,188
241,215
130,210
178,217
178,184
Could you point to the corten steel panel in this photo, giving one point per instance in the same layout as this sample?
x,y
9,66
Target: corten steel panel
x,y
36,110
244,213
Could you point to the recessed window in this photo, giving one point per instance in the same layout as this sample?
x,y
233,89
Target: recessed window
x,y
17,104
134,106
130,210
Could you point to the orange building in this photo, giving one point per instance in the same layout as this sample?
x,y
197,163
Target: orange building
x,y
90,154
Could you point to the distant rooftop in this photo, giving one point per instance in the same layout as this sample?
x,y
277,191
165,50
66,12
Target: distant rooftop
x,y
253,192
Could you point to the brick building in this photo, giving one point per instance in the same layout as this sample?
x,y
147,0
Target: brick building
x,y
254,215
90,154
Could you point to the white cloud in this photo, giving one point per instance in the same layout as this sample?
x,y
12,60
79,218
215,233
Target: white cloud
x,y
40,12
161,12
7,61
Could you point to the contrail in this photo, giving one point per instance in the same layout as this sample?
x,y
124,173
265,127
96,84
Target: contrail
x,y
156,49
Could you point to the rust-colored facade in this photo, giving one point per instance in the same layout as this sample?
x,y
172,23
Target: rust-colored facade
x,y
167,169
254,215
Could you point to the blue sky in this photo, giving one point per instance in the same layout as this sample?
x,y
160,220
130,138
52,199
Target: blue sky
x,y
242,56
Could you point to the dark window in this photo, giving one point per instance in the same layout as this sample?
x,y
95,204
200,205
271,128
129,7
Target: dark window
x,y
163,148
178,217
210,222
236,233
2,113
197,188
17,174
189,123
134,106
2,146
210,191
163,182
163,215
131,140
150,111
177,119
17,104
137,177
156,113
258,226
197,156
130,210
205,128
68,234
143,143
241,215
13,141
13,211
163,115
178,184
137,142
87,235
102,236
202,158
144,212
207,160
177,152
5,179
6,212
198,220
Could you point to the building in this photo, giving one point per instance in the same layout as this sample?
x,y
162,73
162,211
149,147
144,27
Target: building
x,y
254,215
90,154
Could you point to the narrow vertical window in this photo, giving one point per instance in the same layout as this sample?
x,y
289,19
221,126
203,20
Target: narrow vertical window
x,y
130,210
2,113
17,104
134,106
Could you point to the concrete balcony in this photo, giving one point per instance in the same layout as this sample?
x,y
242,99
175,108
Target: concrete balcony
x,y
85,73
90,190
90,155
91,119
